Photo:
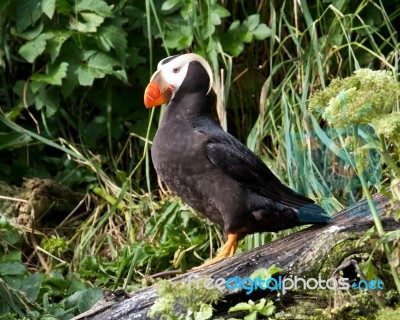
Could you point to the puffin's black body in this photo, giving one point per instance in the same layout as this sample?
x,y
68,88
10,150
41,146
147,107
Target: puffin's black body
x,y
216,174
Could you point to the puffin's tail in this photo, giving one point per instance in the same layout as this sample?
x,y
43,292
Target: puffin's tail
x,y
313,213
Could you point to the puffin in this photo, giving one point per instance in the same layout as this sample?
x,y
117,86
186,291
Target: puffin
x,y
211,170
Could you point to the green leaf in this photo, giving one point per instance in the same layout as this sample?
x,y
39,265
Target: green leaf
x,y
179,39
234,25
12,268
205,312
236,48
98,6
246,36
19,89
170,4
221,11
260,304
54,74
27,13
10,140
252,21
64,7
98,65
114,37
32,49
29,34
251,316
92,21
86,75
241,306
262,32
268,310
48,98
215,19
55,42
31,285
369,270
4,5
48,7
265,273
84,299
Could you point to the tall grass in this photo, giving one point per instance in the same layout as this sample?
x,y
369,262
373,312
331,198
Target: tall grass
x,y
309,48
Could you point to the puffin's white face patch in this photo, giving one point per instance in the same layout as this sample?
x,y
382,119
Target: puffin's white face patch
x,y
174,70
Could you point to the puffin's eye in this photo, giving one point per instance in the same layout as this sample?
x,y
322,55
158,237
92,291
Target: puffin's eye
x,y
176,70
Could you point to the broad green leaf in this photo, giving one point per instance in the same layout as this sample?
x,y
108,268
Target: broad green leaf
x,y
98,6
170,4
12,255
10,301
84,299
31,285
92,21
241,306
221,11
12,268
370,271
27,13
205,312
236,48
134,58
246,36
19,88
114,37
265,273
64,7
234,25
120,75
86,75
28,34
4,5
260,304
252,21
179,39
32,49
103,62
55,42
268,310
54,74
48,98
8,234
98,65
251,316
215,19
48,7
262,32
12,139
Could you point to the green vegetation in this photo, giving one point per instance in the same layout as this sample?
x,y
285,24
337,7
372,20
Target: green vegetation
x,y
72,77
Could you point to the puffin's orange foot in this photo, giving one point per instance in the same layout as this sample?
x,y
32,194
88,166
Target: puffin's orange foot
x,y
228,250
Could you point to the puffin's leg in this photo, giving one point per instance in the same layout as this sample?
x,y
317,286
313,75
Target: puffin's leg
x,y
228,250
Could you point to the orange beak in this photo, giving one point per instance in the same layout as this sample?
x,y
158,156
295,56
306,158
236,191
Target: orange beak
x,y
157,92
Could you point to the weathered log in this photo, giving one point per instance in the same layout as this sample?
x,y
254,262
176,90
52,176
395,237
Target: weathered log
x,y
312,252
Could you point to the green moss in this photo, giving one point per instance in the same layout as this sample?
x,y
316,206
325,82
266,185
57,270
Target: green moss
x,y
177,300
388,314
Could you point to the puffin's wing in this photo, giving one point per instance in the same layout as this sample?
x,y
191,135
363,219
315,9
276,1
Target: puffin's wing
x,y
241,164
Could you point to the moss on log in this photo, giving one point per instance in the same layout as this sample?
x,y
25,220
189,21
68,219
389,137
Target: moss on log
x,y
318,251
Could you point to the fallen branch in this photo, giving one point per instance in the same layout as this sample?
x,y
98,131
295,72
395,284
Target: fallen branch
x,y
312,252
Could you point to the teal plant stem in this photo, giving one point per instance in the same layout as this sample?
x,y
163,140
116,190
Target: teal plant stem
x,y
375,215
